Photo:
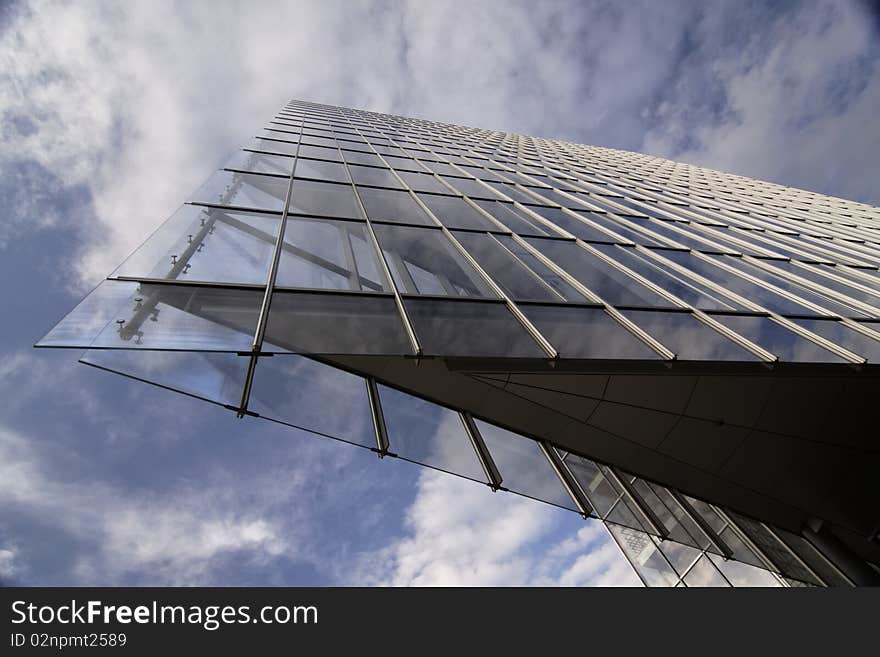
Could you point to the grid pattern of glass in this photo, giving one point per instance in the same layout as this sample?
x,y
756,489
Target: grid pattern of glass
x,y
343,231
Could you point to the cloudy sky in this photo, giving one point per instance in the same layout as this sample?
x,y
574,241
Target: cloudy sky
x,y
112,113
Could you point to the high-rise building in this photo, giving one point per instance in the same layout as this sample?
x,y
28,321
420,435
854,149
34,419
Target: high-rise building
x,y
687,355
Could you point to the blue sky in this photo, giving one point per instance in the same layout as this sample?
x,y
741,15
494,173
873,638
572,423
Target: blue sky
x,y
112,113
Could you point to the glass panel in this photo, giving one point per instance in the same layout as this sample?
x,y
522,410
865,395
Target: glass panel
x,y
687,336
470,328
817,277
784,284
778,340
644,556
392,205
82,324
211,376
277,142
320,152
608,282
424,261
206,238
842,335
524,468
177,317
729,281
247,190
259,162
428,433
577,227
579,332
683,287
454,212
357,157
704,573
322,253
601,494
423,182
505,269
516,220
363,175
547,275
301,322
299,391
616,225
323,199
742,574
332,171
681,556
470,187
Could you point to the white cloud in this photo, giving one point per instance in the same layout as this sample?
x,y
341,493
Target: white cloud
x,y
461,535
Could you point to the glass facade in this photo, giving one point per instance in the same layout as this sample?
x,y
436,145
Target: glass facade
x,y
341,232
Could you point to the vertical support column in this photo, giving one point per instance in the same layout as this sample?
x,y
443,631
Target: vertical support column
x,y
568,481
483,454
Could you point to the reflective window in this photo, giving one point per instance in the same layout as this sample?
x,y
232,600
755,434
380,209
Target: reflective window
x,y
308,323
579,332
704,573
601,494
358,157
429,434
183,317
840,334
212,376
469,328
516,220
423,182
778,340
687,336
505,269
373,176
322,253
207,244
320,152
424,261
622,229
469,187
392,205
278,142
523,467
730,281
247,190
332,171
455,212
644,556
604,280
576,227
260,162
298,391
815,275
547,275
323,199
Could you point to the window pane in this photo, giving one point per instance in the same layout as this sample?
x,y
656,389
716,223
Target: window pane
x,y
277,142
247,190
470,328
332,171
124,315
328,254
423,182
357,157
593,482
517,221
547,275
373,176
683,287
505,269
524,468
212,376
644,556
842,335
299,391
778,340
704,573
609,283
392,205
576,227
429,434
306,323
687,336
470,187
454,212
424,261
579,332
320,152
259,162
323,199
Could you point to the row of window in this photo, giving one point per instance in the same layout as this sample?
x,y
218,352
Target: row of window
x,y
479,144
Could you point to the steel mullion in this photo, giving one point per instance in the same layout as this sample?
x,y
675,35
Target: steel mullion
x,y
568,481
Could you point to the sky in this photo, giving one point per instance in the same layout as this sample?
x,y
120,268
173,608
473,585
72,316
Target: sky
x,y
111,114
